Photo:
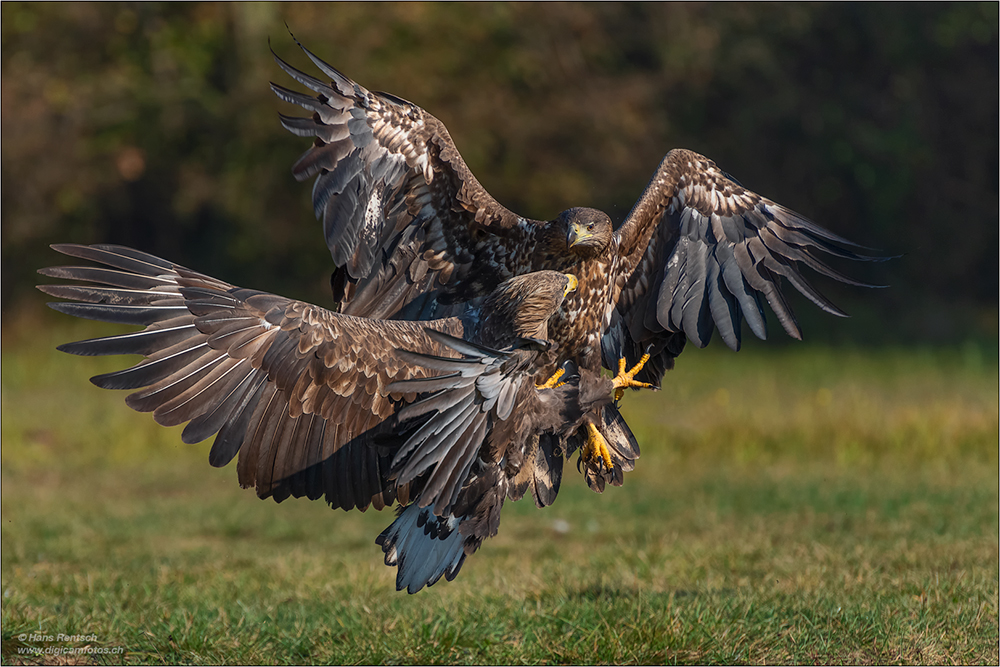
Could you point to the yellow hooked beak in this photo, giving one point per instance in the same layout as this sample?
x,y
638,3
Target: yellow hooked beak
x,y
571,285
576,234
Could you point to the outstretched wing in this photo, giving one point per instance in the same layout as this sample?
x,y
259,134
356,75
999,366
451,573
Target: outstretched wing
x,y
482,403
490,434
298,391
699,252
402,213
478,405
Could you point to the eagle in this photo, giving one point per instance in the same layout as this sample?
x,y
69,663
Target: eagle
x,y
415,235
442,416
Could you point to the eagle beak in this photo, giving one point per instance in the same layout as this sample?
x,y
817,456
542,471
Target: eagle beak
x,y
575,235
571,285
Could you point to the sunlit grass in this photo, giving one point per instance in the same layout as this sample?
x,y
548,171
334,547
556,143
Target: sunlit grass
x,y
796,504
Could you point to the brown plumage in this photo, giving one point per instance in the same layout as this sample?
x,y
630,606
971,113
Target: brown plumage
x,y
293,388
500,450
414,233
321,403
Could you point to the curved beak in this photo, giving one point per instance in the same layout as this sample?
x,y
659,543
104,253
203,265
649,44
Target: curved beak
x,y
574,235
571,285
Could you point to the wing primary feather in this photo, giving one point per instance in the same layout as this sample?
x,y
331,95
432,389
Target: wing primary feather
x,y
139,342
306,80
211,421
150,371
100,274
116,314
722,306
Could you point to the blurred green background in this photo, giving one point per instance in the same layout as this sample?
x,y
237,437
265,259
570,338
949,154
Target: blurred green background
x,y
152,125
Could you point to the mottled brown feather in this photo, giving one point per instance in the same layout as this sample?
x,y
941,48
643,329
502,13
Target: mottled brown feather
x,y
314,365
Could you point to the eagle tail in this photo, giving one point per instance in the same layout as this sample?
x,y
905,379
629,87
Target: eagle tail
x,y
422,547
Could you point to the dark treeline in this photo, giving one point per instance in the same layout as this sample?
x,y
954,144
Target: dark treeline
x,y
153,125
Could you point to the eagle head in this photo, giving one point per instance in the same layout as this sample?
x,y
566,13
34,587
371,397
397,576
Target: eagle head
x,y
588,231
525,303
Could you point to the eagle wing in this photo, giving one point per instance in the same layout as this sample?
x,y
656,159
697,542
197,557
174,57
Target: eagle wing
x,y
402,214
489,435
478,405
482,403
699,252
298,391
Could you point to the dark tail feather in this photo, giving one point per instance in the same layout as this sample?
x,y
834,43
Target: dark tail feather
x,y
422,547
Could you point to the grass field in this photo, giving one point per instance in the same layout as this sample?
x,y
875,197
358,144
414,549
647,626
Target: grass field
x,y
792,504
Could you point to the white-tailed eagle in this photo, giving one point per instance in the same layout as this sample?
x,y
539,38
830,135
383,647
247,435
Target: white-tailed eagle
x,y
413,233
442,416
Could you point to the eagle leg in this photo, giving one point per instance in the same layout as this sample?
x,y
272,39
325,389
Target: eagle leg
x,y
553,381
596,447
625,378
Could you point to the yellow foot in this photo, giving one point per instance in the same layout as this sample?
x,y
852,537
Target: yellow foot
x,y
624,378
596,447
553,381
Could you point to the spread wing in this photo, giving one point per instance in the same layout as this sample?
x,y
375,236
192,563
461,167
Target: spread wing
x,y
402,213
699,252
484,405
490,435
478,406
298,391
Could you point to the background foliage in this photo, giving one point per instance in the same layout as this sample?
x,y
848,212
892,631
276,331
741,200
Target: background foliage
x,y
152,125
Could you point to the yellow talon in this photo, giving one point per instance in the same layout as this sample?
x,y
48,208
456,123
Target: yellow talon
x,y
596,447
553,381
624,378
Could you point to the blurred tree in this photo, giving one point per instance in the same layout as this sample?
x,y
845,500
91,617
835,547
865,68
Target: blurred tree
x,y
152,125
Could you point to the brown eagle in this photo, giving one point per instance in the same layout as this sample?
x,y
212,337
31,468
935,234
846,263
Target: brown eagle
x,y
322,403
414,233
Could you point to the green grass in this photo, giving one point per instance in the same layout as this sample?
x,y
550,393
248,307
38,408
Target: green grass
x,y
792,504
